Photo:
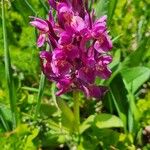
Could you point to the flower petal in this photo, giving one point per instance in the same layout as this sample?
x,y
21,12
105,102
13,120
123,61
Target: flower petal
x,y
86,75
64,85
65,38
61,67
97,91
77,23
41,40
40,24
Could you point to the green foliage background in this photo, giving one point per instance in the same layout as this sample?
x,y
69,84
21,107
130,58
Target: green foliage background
x,y
126,103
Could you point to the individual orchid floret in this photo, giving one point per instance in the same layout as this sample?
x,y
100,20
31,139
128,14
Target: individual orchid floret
x,y
43,27
103,43
40,24
102,69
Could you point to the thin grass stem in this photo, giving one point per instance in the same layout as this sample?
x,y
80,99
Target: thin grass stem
x,y
40,94
30,7
44,5
8,71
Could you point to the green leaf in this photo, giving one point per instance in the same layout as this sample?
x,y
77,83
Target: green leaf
x,y
68,118
118,98
107,121
24,130
54,125
104,7
52,139
47,109
108,137
111,8
87,123
5,116
24,9
29,144
8,69
116,59
101,8
6,112
135,77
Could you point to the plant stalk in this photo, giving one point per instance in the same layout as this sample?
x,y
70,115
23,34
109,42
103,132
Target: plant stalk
x,y
8,71
76,107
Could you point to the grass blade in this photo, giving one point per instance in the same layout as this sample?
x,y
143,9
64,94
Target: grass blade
x,y
4,122
30,7
53,87
44,6
8,71
119,111
40,94
111,9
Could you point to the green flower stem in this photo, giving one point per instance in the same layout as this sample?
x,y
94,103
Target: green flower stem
x,y
76,98
8,70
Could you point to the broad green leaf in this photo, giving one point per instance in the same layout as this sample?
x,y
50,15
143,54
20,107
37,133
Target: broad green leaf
x,y
107,121
135,77
68,119
29,143
117,99
52,139
108,137
87,123
24,130
47,109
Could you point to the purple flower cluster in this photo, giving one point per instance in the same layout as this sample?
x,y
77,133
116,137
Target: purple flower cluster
x,y
79,44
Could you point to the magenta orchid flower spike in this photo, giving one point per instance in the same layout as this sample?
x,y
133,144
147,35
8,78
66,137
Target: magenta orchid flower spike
x,y
79,47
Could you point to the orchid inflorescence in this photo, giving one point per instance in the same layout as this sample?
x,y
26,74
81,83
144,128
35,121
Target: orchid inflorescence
x,y
79,47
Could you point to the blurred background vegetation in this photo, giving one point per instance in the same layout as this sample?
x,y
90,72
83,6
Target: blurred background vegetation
x,y
129,26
